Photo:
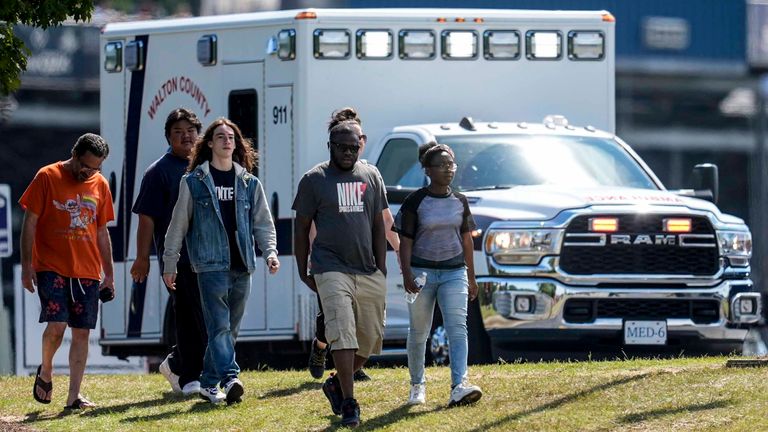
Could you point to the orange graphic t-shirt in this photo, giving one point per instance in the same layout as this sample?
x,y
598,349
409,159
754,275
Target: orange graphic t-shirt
x,y
69,213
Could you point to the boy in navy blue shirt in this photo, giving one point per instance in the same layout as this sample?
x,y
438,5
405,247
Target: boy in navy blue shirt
x,y
154,205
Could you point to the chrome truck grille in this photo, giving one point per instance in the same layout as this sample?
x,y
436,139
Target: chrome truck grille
x,y
641,247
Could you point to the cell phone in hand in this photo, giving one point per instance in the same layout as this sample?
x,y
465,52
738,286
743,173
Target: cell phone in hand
x,y
106,295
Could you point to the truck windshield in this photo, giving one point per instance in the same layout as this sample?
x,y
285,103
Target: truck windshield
x,y
505,161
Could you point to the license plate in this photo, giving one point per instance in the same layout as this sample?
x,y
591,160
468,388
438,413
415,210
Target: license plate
x,y
645,332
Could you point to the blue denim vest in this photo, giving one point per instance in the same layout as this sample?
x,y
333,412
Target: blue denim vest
x,y
207,240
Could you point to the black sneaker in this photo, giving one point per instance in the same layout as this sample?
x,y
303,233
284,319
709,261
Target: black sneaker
x,y
350,413
360,375
317,360
332,390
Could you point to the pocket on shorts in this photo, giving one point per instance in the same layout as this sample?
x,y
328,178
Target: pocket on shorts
x,y
332,332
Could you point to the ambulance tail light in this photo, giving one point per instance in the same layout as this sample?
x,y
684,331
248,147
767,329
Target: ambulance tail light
x,y
374,44
206,50
543,45
286,44
416,44
586,45
459,44
331,44
134,55
113,57
501,45
608,17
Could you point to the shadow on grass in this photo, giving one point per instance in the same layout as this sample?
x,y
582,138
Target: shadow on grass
x,y
309,385
200,407
167,398
402,412
654,414
562,401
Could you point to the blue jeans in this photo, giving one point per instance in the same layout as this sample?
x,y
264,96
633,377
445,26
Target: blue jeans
x,y
223,295
450,289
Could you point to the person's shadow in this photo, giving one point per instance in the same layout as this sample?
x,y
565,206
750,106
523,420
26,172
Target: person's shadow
x,y
283,392
403,412
165,399
201,406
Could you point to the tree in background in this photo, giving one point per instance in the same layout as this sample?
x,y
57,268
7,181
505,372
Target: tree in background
x,y
38,13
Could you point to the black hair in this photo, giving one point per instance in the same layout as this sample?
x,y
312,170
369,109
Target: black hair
x,y
92,143
347,127
180,114
424,147
431,152
346,114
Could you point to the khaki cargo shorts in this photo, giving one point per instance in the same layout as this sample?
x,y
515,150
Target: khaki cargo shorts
x,y
354,308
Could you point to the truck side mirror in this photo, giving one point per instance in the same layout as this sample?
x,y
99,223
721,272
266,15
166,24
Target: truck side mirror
x,y
706,181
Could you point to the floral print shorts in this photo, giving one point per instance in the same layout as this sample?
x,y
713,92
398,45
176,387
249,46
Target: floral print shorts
x,y
70,300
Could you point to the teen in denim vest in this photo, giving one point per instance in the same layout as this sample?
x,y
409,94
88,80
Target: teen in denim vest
x,y
220,212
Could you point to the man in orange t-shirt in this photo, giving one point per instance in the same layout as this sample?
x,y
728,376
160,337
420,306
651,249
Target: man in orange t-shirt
x,y
65,246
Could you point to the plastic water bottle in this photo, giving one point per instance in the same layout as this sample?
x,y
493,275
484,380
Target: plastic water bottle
x,y
420,282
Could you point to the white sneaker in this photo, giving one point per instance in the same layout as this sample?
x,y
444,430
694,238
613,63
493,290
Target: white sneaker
x,y
212,395
234,391
173,379
190,388
418,394
465,394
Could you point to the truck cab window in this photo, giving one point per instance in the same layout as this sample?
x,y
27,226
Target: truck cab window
x,y
399,164
243,110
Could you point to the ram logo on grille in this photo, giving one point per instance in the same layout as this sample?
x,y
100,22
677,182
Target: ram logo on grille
x,y
644,239
602,239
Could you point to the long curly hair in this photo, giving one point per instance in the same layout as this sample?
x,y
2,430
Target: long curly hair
x,y
244,153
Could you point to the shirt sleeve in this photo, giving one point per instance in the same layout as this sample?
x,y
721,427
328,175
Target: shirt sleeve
x,y
305,202
34,197
106,211
152,197
467,221
381,198
407,218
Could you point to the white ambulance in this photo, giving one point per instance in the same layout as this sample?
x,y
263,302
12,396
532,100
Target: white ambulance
x,y
279,75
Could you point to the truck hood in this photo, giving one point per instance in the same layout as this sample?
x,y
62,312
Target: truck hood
x,y
545,202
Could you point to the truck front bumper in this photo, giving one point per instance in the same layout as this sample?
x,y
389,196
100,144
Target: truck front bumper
x,y
534,309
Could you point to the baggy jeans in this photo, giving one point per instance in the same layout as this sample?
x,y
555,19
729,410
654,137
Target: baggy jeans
x,y
223,295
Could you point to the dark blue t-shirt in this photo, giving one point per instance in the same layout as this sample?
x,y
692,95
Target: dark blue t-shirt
x,y
157,196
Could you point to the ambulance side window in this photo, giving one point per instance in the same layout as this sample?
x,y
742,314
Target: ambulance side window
x,y
243,110
399,164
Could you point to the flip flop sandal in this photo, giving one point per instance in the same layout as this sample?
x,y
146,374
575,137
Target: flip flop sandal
x,y
47,387
80,403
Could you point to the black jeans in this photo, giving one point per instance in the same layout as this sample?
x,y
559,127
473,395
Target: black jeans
x,y
186,358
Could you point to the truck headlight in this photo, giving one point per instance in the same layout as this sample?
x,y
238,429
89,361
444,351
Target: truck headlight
x,y
736,246
522,246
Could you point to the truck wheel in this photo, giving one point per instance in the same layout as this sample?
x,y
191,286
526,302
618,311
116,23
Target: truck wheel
x,y
479,342
437,346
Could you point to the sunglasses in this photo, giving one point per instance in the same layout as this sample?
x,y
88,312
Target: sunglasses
x,y
448,166
353,148
88,169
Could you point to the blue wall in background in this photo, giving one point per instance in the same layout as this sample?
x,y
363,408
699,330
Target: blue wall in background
x,y
717,27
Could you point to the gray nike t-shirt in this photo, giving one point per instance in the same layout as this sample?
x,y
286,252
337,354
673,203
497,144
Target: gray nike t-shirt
x,y
343,205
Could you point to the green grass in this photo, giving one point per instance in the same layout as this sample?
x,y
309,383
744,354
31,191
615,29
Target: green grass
x,y
681,394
